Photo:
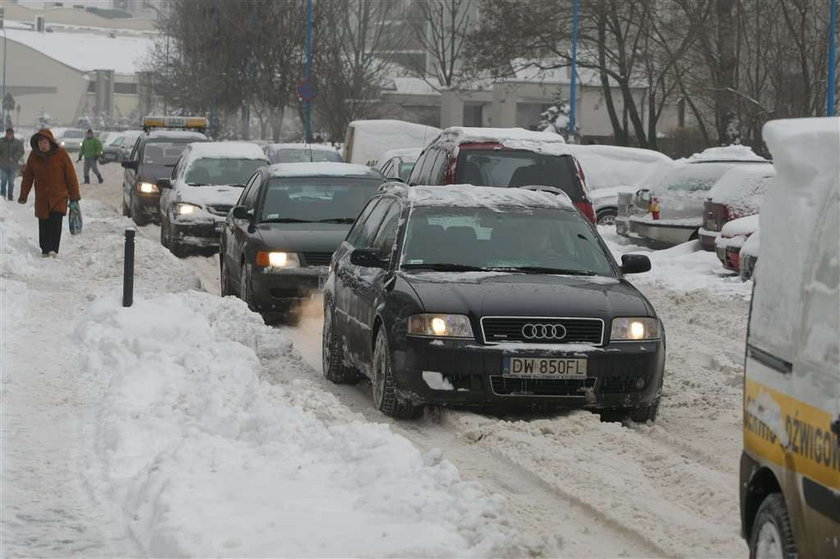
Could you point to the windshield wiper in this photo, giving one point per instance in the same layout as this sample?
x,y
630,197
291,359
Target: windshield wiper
x,y
285,220
543,270
197,184
444,267
239,185
338,220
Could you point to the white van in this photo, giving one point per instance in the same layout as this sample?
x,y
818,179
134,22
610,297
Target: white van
x,y
790,465
368,140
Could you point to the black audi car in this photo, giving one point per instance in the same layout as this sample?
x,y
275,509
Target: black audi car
x,y
278,240
484,296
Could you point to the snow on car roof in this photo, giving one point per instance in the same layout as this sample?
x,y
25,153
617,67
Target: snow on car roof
x,y
313,147
612,166
226,150
176,134
513,138
469,196
725,153
743,187
741,226
322,169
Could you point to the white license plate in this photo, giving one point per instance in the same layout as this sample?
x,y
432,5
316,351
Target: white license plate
x,y
322,281
217,227
533,367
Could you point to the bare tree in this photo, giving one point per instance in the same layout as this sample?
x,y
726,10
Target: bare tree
x,y
440,27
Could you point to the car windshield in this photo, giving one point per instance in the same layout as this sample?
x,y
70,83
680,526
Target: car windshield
x,y
337,199
202,172
302,155
517,168
73,134
538,240
163,153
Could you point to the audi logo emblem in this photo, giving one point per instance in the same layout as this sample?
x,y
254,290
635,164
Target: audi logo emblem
x,y
544,331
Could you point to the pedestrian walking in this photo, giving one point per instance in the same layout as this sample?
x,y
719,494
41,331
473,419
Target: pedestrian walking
x,y
50,168
91,150
11,152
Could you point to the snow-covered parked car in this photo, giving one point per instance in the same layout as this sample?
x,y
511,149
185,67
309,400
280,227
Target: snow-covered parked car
x,y
205,185
737,194
611,170
301,153
277,243
732,237
748,256
790,465
396,164
668,209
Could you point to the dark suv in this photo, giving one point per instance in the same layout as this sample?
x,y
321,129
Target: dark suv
x,y
466,295
503,157
153,157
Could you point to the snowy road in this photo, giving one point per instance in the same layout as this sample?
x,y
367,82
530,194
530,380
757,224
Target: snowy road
x,y
571,485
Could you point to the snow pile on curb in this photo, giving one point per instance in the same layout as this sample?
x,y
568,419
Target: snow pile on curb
x,y
203,458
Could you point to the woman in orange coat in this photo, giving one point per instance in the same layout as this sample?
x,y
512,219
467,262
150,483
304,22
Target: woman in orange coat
x,y
52,171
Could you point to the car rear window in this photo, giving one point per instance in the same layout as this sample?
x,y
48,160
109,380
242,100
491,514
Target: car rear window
x,y
514,168
208,171
73,134
317,198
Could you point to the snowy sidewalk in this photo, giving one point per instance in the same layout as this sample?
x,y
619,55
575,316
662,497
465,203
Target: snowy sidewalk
x,y
155,430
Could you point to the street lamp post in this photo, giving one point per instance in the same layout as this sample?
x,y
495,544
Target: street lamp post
x,y
308,76
832,57
575,17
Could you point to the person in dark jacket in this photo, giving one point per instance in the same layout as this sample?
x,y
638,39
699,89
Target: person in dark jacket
x,y
91,150
11,152
51,169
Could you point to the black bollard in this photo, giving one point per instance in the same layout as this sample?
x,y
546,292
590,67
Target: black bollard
x,y
128,269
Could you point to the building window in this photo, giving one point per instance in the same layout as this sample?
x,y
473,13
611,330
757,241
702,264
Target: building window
x,y
474,114
127,88
91,87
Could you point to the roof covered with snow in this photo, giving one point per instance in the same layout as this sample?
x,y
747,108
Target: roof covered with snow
x,y
469,196
87,51
726,153
513,138
226,150
322,169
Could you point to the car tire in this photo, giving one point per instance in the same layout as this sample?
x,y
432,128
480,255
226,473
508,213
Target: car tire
x,y
606,216
164,234
385,396
224,278
643,414
772,533
176,248
332,353
245,286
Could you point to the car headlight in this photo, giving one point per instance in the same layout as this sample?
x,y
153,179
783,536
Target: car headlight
x,y
634,328
183,208
62,142
147,188
440,326
277,260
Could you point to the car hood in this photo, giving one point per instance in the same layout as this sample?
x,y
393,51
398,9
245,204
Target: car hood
x,y
303,237
222,195
151,173
506,294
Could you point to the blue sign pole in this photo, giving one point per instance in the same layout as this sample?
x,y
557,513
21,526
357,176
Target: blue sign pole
x,y
308,100
575,16
832,57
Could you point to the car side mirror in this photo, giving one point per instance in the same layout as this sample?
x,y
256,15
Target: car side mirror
x,y
130,164
241,212
163,184
634,263
368,258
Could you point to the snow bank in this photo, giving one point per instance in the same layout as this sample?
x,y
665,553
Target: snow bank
x,y
320,169
202,458
726,153
469,196
807,169
742,188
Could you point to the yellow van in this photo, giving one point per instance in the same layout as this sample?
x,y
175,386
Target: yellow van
x,y
790,465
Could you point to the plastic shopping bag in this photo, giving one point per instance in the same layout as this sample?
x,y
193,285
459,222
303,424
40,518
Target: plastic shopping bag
x,y
75,220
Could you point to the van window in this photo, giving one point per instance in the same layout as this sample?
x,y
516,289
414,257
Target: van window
x,y
438,168
514,168
419,174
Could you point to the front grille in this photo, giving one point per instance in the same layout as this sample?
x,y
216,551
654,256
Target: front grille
x,y
501,329
504,386
317,258
219,209
621,384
